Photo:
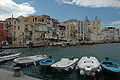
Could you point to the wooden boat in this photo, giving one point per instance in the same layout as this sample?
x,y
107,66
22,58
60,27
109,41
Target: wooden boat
x,y
65,64
5,54
8,56
111,67
47,62
30,60
88,66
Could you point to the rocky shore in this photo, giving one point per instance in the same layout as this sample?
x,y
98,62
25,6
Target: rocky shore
x,y
60,44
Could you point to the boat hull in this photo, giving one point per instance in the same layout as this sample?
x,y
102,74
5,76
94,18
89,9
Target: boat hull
x,y
10,57
29,63
70,67
109,69
88,66
88,73
110,72
65,68
47,62
31,60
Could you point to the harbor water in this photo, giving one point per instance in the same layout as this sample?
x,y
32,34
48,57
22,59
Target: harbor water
x,y
100,51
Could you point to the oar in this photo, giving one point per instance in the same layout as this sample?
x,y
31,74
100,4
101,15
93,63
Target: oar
x,y
34,63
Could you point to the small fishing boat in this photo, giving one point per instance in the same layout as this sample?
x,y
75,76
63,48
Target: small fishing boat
x,y
47,61
110,66
65,64
5,54
88,66
25,61
8,56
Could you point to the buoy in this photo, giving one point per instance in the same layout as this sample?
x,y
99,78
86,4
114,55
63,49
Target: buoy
x,y
71,67
76,67
98,70
93,74
82,72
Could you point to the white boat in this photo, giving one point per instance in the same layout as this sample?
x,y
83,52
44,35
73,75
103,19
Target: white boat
x,y
65,64
88,66
30,60
8,56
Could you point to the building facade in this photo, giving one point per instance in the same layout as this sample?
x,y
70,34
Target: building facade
x,y
110,34
3,32
94,30
45,29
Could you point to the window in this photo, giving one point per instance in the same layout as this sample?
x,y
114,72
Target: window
x,y
42,20
14,22
18,27
14,39
26,29
31,33
33,19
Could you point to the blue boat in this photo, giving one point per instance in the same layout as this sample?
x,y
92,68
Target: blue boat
x,y
110,66
47,62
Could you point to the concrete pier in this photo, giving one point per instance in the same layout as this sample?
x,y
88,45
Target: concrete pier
x,y
7,75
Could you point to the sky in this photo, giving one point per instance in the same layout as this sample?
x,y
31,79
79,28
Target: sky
x,y
108,11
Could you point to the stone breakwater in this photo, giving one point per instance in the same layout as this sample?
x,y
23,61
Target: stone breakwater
x,y
61,44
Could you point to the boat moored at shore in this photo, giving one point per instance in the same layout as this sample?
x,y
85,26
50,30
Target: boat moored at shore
x,y
8,56
110,67
65,64
47,61
88,66
30,60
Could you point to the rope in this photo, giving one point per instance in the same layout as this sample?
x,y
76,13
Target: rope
x,y
94,78
118,75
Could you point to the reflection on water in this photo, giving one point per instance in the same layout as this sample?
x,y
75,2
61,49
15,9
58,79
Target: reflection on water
x,y
99,51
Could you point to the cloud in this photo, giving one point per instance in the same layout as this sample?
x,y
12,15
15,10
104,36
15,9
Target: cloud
x,y
93,3
9,7
116,22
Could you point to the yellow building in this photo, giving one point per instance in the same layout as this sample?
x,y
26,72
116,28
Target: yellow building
x,y
31,28
94,30
94,27
73,32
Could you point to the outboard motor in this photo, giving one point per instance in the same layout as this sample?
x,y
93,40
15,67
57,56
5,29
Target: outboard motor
x,y
106,58
71,58
82,72
88,70
50,57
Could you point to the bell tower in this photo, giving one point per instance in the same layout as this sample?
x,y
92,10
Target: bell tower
x,y
96,21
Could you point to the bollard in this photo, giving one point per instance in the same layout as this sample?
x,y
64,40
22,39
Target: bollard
x,y
17,72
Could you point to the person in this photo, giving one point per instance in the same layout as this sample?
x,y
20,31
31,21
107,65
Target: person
x,y
50,57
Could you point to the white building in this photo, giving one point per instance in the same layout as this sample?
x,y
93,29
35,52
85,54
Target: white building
x,y
110,34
